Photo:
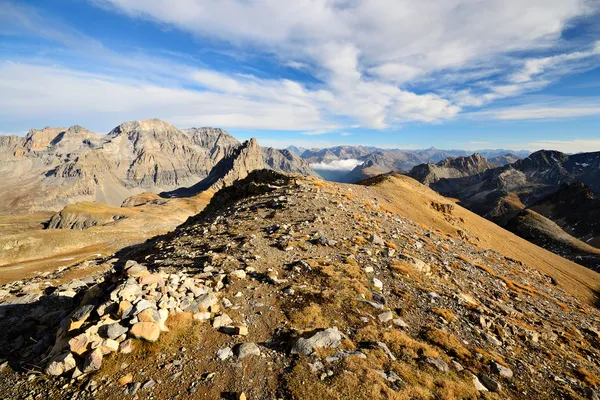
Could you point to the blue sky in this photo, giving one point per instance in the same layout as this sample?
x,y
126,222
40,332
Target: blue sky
x,y
470,74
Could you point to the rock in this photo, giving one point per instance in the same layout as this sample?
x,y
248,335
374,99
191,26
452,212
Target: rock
x,y
93,361
201,316
124,310
416,263
125,380
376,240
241,330
491,384
149,331
241,396
205,302
143,305
386,316
457,366
478,385
590,394
224,353
79,316
247,349
148,385
152,279
134,269
330,337
377,283
128,290
109,346
59,365
221,320
237,274
149,315
502,370
163,317
126,346
112,331
437,363
133,388
80,344
400,322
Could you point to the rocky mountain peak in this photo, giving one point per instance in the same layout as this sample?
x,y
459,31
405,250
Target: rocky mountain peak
x,y
39,139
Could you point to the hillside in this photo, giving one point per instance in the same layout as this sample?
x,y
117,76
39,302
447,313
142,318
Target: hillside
x,y
298,288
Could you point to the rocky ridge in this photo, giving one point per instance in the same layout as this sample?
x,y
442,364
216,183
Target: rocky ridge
x,y
296,288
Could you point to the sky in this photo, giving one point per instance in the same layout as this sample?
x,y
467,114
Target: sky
x,y
454,74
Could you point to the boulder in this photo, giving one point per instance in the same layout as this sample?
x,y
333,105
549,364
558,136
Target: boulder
x,y
330,337
149,331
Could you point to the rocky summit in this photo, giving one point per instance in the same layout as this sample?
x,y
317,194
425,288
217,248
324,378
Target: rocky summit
x,y
292,287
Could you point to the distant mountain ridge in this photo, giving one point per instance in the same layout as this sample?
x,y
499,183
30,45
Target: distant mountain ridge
x,y
52,167
377,161
548,198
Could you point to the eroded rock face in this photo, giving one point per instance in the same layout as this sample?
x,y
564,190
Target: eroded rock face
x,y
55,166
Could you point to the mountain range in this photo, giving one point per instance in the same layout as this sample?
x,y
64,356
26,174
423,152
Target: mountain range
x,y
53,167
549,197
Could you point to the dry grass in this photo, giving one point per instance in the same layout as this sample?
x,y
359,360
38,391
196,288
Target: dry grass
x,y
391,245
588,377
445,313
448,342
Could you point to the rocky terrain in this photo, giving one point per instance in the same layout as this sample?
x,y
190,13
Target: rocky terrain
x,y
528,197
53,167
99,228
291,287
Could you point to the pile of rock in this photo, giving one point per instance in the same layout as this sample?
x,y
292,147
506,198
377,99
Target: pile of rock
x,y
133,305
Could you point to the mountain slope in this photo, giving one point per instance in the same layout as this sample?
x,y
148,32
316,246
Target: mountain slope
x,y
302,289
286,161
54,166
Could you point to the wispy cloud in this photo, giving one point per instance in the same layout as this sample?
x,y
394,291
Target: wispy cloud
x,y
362,77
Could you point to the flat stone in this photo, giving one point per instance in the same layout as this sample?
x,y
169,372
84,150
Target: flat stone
x,y
330,337
237,274
206,301
93,361
386,316
478,385
221,320
377,283
491,384
125,380
109,346
502,370
247,349
126,346
135,269
112,331
149,331
437,363
202,316
149,315
400,322
224,353
376,240
80,344
62,363
79,316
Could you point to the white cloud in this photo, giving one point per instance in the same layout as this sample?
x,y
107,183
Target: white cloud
x,y
363,50
30,90
337,165
345,134
366,54
540,112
